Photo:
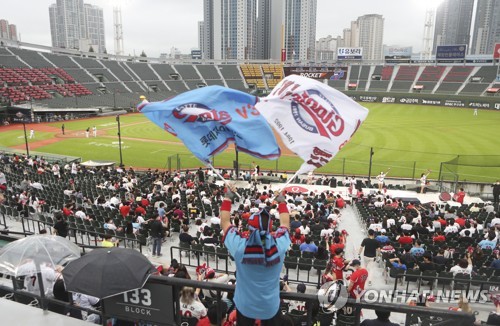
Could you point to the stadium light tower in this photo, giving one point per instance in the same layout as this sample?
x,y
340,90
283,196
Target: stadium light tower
x,y
118,28
427,41
428,38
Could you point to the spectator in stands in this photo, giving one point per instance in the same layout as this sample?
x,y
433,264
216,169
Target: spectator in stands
x,y
190,306
382,319
407,258
426,264
496,262
157,229
439,238
464,266
396,263
322,253
417,249
296,222
357,280
308,246
298,306
298,238
439,259
258,270
339,202
304,228
108,242
494,317
212,313
326,233
61,227
370,248
186,237
489,243
382,238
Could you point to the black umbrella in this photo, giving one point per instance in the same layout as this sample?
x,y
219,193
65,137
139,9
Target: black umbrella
x,y
106,272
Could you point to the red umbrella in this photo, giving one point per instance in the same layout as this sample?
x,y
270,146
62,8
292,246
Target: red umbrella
x,y
296,189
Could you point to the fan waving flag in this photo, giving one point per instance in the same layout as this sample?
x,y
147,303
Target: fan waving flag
x,y
209,118
313,119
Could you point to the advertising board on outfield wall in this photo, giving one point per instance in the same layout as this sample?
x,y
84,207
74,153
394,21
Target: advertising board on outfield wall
x,y
426,99
450,53
395,54
320,73
350,53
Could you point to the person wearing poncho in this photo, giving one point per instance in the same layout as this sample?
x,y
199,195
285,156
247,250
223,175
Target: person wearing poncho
x,y
259,260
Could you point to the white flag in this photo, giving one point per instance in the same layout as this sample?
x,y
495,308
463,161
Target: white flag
x,y
313,119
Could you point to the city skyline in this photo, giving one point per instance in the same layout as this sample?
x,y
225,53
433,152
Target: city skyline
x,y
151,26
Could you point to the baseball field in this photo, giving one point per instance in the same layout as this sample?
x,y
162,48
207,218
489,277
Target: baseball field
x,y
407,138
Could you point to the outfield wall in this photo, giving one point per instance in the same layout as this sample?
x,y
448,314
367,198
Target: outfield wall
x,y
473,102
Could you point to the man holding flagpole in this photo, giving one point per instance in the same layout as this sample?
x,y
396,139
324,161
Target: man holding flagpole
x,y
259,260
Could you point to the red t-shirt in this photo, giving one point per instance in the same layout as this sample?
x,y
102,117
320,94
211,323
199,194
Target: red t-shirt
x,y
67,211
460,221
340,203
359,278
439,238
124,210
298,241
144,202
338,265
405,240
140,210
460,197
442,222
334,246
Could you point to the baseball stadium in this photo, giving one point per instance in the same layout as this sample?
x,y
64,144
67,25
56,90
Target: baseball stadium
x,y
109,219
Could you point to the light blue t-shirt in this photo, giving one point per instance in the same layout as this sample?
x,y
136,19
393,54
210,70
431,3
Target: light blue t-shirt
x,y
487,244
417,251
257,293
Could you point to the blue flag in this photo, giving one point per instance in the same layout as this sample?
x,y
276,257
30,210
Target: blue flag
x,y
208,119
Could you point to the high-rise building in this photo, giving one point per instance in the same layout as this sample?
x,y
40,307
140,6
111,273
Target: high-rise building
x,y
370,36
13,32
300,29
229,29
453,23
326,48
75,25
8,31
486,27
4,29
270,29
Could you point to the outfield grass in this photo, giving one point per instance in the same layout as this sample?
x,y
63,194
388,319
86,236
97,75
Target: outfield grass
x,y
16,137
408,138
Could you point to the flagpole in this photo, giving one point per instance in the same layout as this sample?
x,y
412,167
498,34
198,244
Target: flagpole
x,y
286,183
220,176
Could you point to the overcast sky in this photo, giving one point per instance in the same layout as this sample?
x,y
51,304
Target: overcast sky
x,y
157,25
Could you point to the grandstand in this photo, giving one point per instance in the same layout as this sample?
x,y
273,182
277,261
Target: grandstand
x,y
51,79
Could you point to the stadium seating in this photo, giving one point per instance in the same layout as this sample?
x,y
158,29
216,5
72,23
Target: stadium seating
x,y
458,74
431,74
101,76
187,72
407,73
208,71
276,71
253,75
142,70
